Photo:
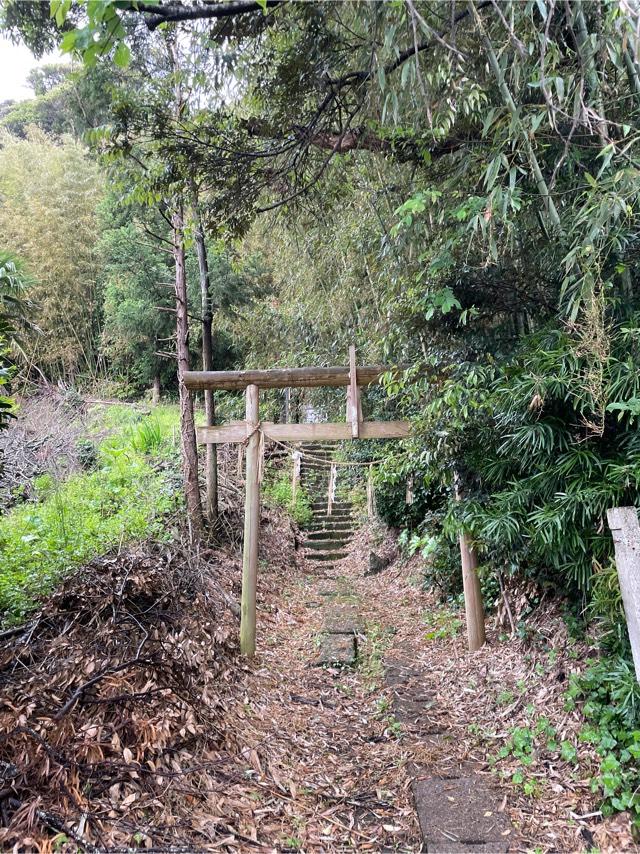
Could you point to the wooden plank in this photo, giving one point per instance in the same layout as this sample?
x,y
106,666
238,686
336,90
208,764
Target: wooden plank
x,y
353,396
251,527
307,432
282,378
229,433
625,530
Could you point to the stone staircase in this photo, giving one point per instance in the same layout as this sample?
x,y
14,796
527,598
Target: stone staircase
x,y
326,535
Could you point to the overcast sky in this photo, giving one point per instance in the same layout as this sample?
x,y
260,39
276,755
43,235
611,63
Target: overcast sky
x,y
16,61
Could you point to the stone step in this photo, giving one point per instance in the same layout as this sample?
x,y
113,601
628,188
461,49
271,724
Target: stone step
x,y
326,545
337,650
338,517
460,815
330,524
324,556
312,447
343,620
322,506
331,534
337,505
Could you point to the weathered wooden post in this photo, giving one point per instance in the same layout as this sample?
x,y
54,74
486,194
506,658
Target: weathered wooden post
x,y
371,503
331,494
472,594
239,462
474,610
354,407
297,457
408,493
251,524
287,405
625,530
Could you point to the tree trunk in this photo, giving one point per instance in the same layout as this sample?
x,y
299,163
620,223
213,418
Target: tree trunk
x,y
187,424
211,463
155,394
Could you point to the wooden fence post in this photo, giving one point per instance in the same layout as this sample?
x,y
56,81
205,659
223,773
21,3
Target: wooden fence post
x,y
408,492
625,530
354,407
473,607
251,525
472,594
331,495
371,503
297,456
287,405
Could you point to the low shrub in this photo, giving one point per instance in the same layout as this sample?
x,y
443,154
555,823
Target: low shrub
x,y
609,696
279,493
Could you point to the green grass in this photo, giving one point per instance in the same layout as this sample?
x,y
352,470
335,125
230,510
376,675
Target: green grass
x,y
122,499
278,493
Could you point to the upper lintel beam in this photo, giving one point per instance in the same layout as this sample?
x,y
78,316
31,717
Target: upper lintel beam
x,y
282,378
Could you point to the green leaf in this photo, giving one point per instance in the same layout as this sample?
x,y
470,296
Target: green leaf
x,y
122,56
68,43
263,5
58,9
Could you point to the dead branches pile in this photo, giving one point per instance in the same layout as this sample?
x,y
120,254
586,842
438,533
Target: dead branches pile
x,y
112,698
44,438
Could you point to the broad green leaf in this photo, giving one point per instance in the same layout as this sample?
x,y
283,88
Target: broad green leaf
x,y
68,42
122,55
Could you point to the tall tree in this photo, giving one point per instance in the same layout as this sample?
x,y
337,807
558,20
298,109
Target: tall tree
x,y
206,307
49,192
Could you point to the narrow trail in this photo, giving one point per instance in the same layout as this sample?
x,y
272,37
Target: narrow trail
x,y
326,770
336,755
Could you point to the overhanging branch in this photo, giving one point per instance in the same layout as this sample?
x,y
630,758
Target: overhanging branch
x,y
175,12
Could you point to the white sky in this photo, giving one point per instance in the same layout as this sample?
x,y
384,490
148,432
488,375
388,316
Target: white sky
x,y
16,61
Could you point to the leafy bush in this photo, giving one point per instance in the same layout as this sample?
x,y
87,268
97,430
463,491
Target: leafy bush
x,y
440,553
44,485
542,445
146,437
87,452
279,493
607,611
610,698
551,459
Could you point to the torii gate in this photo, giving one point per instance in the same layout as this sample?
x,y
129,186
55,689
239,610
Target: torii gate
x,y
249,430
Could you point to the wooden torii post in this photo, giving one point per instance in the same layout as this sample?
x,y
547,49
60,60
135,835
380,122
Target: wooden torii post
x,y
251,429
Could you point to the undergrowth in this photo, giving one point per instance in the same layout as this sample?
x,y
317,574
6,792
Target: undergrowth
x,y
121,499
609,696
279,493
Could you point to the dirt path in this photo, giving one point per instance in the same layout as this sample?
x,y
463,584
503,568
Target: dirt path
x,y
325,768
334,758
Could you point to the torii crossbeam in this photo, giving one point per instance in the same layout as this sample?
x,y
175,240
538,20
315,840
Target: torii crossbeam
x,y
249,430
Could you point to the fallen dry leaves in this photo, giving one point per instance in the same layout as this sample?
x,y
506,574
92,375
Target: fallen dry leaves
x,y
128,720
481,697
